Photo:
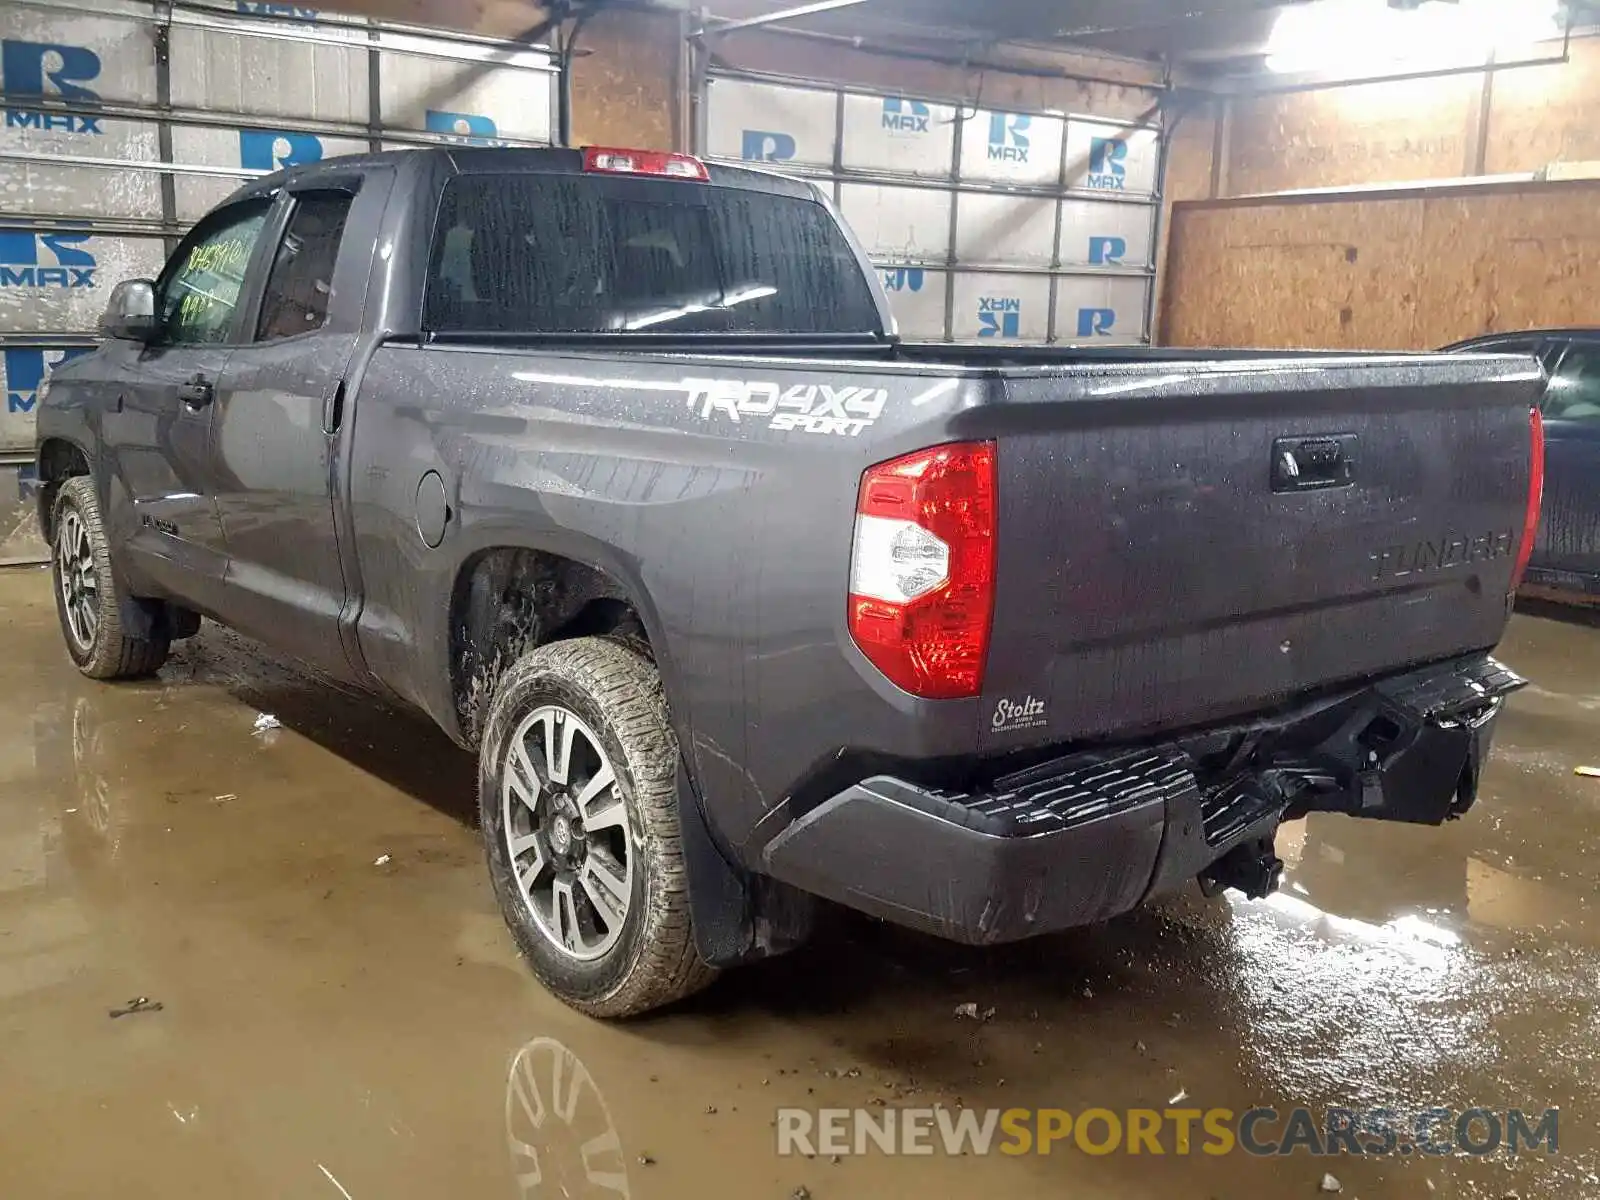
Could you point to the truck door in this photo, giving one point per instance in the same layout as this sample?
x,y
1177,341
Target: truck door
x,y
156,420
277,430
1568,543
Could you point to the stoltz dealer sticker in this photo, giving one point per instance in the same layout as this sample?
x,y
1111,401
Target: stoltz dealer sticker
x,y
1026,713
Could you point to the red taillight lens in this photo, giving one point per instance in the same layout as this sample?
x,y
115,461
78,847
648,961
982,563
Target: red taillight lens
x,y
1530,520
613,161
922,568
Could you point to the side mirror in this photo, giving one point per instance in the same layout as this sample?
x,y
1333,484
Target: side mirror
x,y
131,314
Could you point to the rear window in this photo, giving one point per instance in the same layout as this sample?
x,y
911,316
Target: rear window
x,y
580,254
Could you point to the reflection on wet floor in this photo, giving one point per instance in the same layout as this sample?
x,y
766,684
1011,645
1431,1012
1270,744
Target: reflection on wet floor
x,y
343,1014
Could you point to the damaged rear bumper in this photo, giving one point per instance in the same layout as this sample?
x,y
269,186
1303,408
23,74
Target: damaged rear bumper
x,y
1084,837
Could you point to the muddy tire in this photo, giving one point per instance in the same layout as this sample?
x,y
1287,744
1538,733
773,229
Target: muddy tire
x,y
89,599
578,798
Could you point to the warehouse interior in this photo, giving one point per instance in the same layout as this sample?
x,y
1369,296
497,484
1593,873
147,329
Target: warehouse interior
x,y
247,943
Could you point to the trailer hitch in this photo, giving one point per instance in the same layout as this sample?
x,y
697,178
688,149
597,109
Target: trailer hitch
x,y
1252,867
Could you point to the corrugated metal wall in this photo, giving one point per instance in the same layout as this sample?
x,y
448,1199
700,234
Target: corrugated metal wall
x,y
126,119
1035,226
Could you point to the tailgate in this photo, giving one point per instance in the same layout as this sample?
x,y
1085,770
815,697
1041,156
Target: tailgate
x,y
1182,542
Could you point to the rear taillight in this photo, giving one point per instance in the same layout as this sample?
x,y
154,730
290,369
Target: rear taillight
x,y
1530,520
613,161
922,568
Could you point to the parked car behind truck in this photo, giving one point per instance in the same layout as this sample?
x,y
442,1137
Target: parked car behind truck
x,y
1565,564
611,463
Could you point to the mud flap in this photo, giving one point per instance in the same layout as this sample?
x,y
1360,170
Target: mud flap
x,y
738,917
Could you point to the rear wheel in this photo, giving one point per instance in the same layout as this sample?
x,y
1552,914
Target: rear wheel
x,y
578,798
89,599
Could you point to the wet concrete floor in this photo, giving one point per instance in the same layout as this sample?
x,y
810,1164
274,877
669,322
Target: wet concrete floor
x,y
331,1027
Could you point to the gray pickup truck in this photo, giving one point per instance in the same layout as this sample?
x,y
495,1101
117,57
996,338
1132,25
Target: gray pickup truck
x,y
611,463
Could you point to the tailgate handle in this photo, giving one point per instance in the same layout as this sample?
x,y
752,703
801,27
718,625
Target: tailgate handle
x,y
1301,464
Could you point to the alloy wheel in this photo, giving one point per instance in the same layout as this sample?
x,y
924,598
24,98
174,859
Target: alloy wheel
x,y
567,832
80,587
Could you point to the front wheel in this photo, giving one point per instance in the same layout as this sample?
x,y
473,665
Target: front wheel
x,y
88,597
577,791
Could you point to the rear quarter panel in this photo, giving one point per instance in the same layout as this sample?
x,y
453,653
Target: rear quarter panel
x,y
728,526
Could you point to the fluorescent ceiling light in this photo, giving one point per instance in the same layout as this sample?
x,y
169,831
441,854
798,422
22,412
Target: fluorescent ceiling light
x,y
1370,37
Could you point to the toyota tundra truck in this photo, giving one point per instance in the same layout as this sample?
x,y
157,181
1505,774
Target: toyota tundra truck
x,y
612,463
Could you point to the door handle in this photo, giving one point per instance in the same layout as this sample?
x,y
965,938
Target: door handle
x,y
1303,464
333,409
197,392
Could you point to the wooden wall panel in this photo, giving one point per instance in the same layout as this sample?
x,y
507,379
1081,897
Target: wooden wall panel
x,y
1290,274
1377,133
1384,270
1512,259
1543,114
624,92
1189,162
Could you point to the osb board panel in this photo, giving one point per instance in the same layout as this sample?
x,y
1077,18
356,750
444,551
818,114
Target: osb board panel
x,y
1543,114
624,91
1530,258
1388,272
1189,155
1377,133
839,63
1291,275
1188,170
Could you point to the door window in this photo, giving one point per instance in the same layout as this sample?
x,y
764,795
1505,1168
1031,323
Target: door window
x,y
300,284
1574,391
200,286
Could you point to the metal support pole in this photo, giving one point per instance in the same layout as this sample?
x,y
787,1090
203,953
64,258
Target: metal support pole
x,y
161,36
1168,128
699,81
374,91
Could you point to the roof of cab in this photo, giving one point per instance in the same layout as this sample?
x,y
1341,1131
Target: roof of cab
x,y
501,160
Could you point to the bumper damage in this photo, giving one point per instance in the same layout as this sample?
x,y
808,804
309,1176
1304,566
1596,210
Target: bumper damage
x,y
1084,837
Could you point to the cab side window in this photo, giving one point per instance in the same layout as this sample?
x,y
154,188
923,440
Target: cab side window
x,y
199,289
1574,390
300,285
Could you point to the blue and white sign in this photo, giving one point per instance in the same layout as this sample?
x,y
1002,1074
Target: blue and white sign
x,y
479,95
49,71
916,297
1001,306
22,370
1099,308
57,280
1098,234
899,136
463,129
284,12
1003,147
73,60
769,124
46,260
262,150
1114,159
